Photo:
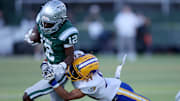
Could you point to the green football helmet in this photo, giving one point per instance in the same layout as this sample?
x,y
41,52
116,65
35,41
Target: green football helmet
x,y
51,16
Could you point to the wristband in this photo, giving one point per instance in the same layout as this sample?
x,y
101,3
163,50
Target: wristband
x,y
54,83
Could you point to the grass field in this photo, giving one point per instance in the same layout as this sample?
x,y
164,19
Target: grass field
x,y
157,78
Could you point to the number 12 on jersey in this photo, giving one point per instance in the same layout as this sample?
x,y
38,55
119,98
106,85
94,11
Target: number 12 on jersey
x,y
73,39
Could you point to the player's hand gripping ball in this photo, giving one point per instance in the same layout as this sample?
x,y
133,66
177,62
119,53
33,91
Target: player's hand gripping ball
x,y
35,36
32,37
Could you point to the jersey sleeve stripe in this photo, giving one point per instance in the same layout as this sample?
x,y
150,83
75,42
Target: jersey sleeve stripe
x,y
67,33
68,45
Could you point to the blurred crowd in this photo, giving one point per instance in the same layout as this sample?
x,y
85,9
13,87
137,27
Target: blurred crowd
x,y
10,35
131,28
131,33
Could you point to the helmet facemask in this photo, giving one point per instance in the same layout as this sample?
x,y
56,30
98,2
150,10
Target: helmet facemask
x,y
73,74
49,27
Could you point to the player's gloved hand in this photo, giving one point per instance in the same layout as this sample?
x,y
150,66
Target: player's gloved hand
x,y
48,74
27,37
47,71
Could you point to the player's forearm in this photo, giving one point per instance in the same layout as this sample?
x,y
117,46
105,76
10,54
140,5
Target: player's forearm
x,y
69,55
75,94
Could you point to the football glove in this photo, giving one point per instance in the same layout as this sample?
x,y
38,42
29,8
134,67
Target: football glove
x,y
47,71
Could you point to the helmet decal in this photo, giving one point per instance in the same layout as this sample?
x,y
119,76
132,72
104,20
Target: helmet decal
x,y
87,62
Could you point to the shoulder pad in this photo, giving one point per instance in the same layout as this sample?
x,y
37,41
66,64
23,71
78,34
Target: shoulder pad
x,y
66,33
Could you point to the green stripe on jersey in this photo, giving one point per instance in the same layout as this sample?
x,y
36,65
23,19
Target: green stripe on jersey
x,y
43,90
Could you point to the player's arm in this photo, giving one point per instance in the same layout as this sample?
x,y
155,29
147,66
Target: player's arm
x,y
69,52
74,94
69,43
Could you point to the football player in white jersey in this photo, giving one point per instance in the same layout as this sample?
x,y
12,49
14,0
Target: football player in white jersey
x,y
88,80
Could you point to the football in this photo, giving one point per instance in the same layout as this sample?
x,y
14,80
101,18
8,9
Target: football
x,y
35,36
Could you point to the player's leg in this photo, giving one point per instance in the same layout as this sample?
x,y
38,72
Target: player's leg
x,y
43,87
126,93
40,88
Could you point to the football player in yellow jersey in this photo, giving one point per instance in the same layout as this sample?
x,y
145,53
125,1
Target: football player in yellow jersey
x,y
88,80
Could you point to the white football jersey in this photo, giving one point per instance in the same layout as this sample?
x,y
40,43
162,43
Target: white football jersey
x,y
99,88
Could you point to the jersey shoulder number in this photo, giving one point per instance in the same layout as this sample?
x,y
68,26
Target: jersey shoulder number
x,y
69,36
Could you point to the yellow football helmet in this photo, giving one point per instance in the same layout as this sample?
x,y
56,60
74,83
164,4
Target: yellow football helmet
x,y
83,67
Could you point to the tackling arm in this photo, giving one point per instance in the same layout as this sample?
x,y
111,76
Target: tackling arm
x,y
48,74
74,94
